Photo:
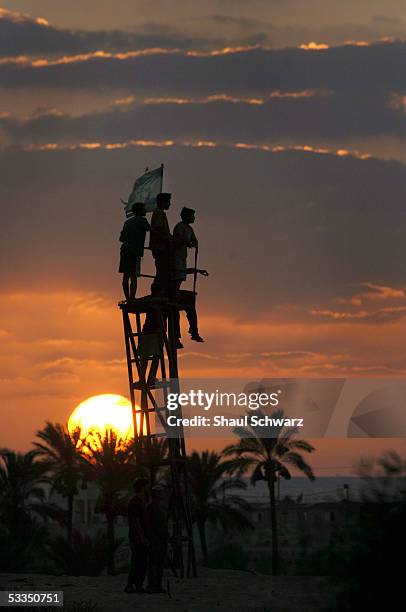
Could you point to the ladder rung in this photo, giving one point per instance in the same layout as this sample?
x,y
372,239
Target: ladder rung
x,y
160,384
145,411
144,334
133,360
150,358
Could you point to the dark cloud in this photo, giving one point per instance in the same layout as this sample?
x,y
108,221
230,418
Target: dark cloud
x,y
373,69
262,19
21,34
330,117
239,22
335,32
387,20
24,35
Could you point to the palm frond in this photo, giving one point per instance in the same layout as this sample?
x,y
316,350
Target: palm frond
x,y
302,445
258,473
300,464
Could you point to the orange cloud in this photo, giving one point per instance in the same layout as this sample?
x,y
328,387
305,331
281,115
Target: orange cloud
x,y
304,148
225,51
313,46
382,292
52,146
307,93
377,293
374,315
124,101
100,54
357,43
17,59
85,57
168,100
227,98
222,97
21,17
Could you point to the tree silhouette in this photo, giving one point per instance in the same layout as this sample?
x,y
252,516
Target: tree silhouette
x,y
23,510
108,463
23,490
270,458
58,448
363,562
213,497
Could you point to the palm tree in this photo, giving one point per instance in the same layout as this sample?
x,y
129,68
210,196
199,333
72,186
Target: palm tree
x,y
23,490
58,448
108,462
270,458
384,478
207,474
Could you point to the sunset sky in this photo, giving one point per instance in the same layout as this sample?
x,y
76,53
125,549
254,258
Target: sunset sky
x,y
281,122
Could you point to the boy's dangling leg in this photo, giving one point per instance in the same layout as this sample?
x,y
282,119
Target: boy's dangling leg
x,y
191,315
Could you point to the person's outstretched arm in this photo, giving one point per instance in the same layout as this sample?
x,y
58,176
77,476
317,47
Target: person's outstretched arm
x,y
192,270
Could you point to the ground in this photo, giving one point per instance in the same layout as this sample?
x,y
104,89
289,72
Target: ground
x,y
212,590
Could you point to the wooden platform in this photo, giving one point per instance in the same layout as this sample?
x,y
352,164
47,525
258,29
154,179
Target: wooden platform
x,y
184,300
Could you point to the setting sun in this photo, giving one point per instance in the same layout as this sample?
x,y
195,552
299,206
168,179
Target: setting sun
x,y
101,413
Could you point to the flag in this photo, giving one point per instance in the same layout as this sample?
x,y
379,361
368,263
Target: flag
x,y
146,189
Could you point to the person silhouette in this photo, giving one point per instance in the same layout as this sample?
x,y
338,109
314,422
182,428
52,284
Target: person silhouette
x,y
160,245
132,238
158,535
184,238
137,531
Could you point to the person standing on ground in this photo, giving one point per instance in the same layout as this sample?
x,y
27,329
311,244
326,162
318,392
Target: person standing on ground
x,y
132,238
139,543
160,245
184,238
158,539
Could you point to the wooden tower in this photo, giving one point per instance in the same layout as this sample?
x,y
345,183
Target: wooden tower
x,y
149,324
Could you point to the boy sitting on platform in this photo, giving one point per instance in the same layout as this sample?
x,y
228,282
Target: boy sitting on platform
x,y
184,238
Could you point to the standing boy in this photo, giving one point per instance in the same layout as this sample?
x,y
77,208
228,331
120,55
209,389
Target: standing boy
x,y
139,543
132,249
160,244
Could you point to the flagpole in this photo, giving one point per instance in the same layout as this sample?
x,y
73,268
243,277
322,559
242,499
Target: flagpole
x,y
195,272
162,177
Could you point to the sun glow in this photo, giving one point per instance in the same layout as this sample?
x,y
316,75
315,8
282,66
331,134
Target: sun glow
x,y
102,413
